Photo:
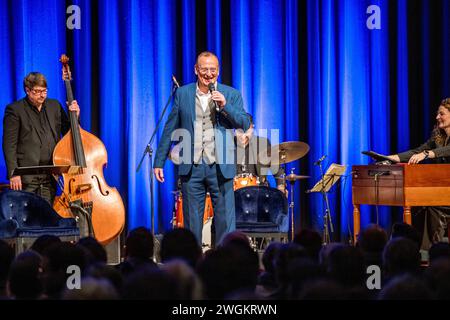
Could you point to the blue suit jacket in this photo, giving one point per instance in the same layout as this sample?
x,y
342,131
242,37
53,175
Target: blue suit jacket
x,y
182,116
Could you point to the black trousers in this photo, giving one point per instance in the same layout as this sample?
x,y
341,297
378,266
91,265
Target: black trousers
x,y
431,223
43,186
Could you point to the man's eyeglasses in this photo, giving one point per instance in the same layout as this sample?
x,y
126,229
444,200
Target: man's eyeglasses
x,y
213,71
39,92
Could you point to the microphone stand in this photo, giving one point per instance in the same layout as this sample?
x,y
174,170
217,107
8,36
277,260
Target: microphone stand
x,y
148,150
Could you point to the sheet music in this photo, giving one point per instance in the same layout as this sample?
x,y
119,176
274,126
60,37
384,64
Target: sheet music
x,y
334,172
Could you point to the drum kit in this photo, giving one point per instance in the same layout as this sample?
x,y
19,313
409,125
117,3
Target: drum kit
x,y
279,154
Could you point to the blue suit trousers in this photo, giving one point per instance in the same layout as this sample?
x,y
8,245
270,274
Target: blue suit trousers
x,y
202,178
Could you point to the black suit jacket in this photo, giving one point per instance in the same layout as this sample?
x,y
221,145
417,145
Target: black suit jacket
x,y
21,143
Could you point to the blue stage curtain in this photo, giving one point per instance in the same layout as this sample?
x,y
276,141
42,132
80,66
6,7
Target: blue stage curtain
x,y
214,23
402,79
357,80
265,67
444,61
310,69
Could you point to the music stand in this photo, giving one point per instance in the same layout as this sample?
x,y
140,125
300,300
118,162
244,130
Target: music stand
x,y
334,172
49,169
53,170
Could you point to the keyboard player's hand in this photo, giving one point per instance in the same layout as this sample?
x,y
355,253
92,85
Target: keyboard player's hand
x,y
418,157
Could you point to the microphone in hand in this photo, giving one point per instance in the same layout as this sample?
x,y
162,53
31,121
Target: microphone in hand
x,y
320,160
212,88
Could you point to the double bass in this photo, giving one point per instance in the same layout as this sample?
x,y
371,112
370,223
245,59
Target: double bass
x,y
84,186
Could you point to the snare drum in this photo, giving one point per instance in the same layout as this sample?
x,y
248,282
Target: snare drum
x,y
245,180
178,221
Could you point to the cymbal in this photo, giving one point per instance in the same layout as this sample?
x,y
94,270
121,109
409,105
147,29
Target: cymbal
x,y
294,177
285,152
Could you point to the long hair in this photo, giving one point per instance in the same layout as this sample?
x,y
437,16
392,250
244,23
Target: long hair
x,y
439,135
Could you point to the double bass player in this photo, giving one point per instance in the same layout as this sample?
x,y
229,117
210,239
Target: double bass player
x,y
32,126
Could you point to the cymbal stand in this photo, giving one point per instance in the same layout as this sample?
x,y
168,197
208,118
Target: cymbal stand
x,y
327,216
291,204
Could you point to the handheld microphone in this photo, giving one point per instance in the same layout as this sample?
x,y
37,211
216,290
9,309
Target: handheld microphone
x,y
175,82
320,160
212,88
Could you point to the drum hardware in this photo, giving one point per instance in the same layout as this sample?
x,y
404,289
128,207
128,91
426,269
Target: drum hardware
x,y
292,178
284,153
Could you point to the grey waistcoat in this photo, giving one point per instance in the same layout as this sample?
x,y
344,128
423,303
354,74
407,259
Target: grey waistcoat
x,y
204,145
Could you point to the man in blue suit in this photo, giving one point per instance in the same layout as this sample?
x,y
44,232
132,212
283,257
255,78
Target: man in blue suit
x,y
205,114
